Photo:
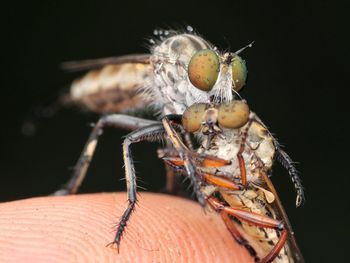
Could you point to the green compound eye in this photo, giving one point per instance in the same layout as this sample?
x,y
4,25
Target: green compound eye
x,y
193,116
239,73
233,114
203,69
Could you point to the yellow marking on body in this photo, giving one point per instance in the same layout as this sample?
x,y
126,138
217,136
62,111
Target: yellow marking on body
x,y
270,197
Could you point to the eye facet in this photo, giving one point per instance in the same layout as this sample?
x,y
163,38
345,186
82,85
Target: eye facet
x,y
233,114
239,72
193,116
203,69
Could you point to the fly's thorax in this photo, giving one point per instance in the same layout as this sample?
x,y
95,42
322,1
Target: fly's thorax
x,y
170,59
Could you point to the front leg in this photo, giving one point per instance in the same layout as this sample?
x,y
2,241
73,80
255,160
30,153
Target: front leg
x,y
148,133
186,156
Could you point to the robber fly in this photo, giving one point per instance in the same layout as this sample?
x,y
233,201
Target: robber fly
x,y
193,88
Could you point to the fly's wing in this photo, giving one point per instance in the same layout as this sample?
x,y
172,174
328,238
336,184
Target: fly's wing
x,y
100,62
295,252
114,85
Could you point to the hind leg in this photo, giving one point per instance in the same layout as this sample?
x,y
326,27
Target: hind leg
x,y
80,169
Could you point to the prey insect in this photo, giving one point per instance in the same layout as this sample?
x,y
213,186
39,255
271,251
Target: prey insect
x,y
193,88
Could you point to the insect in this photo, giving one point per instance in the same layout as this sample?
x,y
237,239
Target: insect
x,y
193,88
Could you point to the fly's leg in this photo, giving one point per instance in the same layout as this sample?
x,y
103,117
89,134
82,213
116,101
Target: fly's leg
x,y
175,122
240,158
250,217
255,219
186,155
222,182
80,169
171,174
288,164
186,136
170,181
171,177
237,235
202,159
147,133
277,248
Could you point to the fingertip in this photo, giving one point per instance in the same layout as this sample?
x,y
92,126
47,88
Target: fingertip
x,y
78,228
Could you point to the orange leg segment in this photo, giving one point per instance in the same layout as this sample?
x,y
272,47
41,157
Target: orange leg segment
x,y
240,156
237,235
242,165
221,182
177,161
211,161
250,217
277,248
253,218
203,160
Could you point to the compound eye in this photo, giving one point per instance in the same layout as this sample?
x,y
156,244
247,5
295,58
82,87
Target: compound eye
x,y
233,114
203,69
193,116
239,72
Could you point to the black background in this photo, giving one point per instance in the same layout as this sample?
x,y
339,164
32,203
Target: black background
x,y
296,84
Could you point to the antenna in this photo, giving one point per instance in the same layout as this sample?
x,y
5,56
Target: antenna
x,y
243,48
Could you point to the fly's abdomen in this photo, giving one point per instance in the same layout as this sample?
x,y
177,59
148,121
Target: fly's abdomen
x,y
113,88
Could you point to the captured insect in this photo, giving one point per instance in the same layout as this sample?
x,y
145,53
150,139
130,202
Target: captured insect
x,y
193,89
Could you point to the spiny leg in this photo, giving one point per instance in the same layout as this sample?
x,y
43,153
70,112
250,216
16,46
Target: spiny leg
x,y
185,155
171,176
172,184
255,219
147,133
80,169
288,164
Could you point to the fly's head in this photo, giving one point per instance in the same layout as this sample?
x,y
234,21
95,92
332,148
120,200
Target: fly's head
x,y
210,119
218,75
189,70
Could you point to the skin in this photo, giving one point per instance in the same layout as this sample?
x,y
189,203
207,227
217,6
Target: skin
x,y
77,229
